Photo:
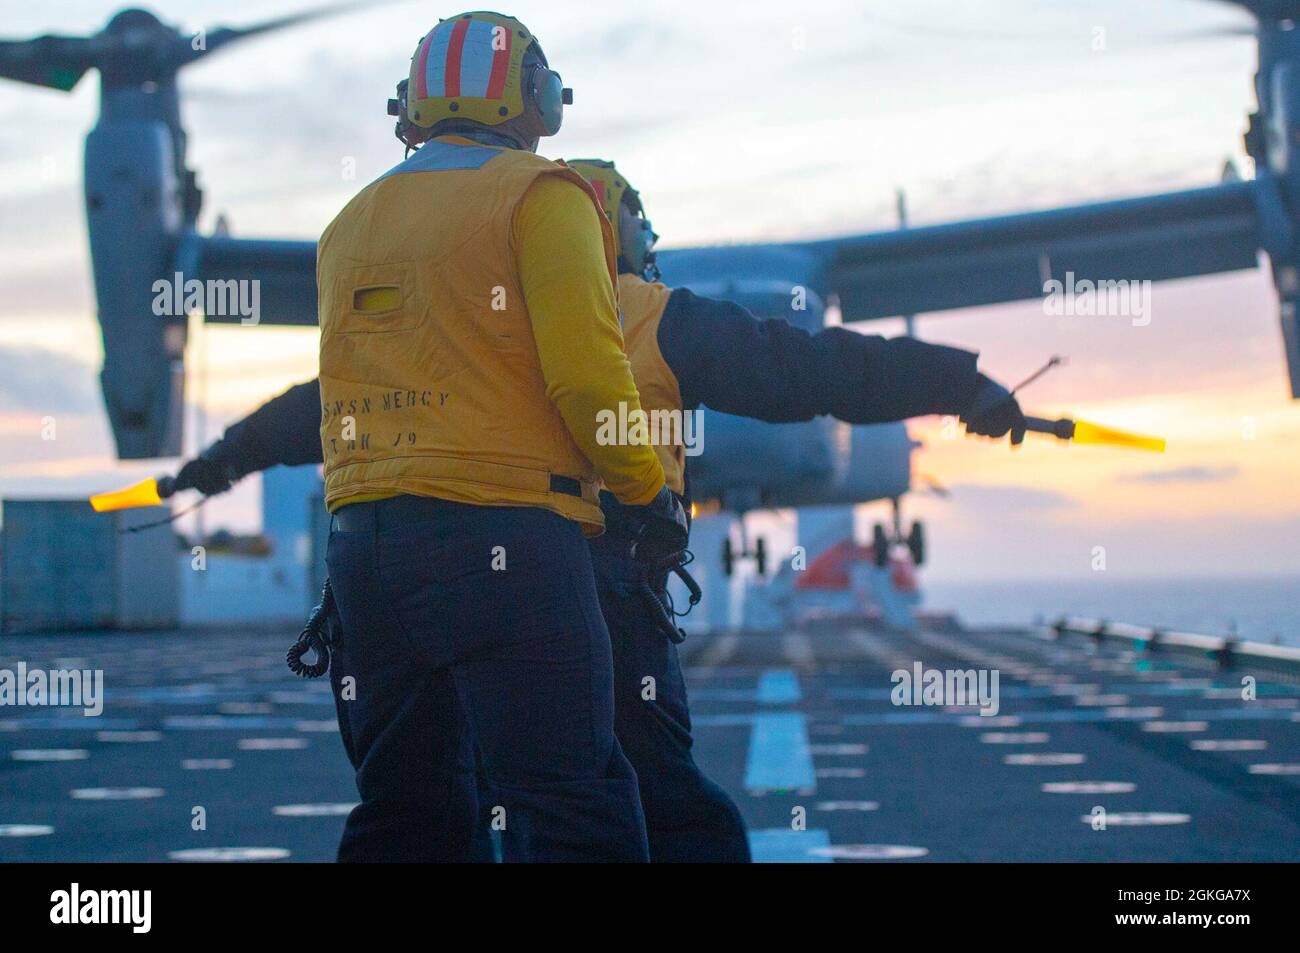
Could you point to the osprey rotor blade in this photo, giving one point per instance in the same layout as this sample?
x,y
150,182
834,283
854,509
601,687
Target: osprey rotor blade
x,y
55,62
223,36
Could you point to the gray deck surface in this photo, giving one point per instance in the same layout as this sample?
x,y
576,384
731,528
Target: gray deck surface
x,y
799,720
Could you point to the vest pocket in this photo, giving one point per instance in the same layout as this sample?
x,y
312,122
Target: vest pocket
x,y
378,299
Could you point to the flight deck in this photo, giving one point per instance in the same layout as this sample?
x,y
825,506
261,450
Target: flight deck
x,y
209,749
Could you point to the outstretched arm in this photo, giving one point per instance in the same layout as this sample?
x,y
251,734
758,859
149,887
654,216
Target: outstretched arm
x,y
727,359
285,430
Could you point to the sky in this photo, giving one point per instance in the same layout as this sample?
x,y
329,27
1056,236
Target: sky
x,y
786,122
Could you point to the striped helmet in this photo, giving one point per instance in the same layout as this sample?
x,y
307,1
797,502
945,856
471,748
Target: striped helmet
x,y
469,67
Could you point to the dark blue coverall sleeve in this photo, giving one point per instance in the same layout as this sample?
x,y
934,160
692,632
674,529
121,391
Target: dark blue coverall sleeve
x,y
728,360
284,430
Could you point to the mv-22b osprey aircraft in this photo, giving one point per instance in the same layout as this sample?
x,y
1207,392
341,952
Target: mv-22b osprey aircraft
x,y
143,202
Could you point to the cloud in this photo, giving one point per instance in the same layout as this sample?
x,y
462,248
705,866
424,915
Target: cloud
x,y
1191,474
994,498
57,289
639,40
34,379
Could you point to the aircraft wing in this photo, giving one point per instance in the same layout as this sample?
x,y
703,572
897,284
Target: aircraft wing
x,y
964,264
1009,258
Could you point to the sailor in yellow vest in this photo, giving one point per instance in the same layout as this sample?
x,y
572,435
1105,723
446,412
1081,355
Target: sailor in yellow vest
x,y
687,351
469,339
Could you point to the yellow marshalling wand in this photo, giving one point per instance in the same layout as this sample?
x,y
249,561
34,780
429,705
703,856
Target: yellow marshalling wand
x,y
145,493
1081,431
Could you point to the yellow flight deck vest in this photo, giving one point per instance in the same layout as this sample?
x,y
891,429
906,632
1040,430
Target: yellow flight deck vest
x,y
642,305
430,381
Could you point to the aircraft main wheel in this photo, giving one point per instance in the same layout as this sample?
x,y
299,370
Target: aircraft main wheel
x,y
916,543
879,546
760,556
728,557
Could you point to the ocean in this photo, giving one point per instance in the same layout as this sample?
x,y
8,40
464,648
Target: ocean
x,y
1262,609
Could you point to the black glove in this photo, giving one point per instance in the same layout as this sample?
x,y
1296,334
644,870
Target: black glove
x,y
994,412
662,531
208,473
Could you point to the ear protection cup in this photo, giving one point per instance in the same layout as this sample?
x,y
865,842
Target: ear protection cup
x,y
550,96
636,251
641,253
408,133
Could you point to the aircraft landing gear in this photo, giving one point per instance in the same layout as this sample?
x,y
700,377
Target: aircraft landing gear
x,y
882,541
758,554
879,546
916,543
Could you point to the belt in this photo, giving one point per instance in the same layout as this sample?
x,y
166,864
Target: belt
x,y
405,509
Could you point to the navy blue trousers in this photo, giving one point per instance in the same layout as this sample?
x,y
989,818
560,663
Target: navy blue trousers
x,y
441,652
689,818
